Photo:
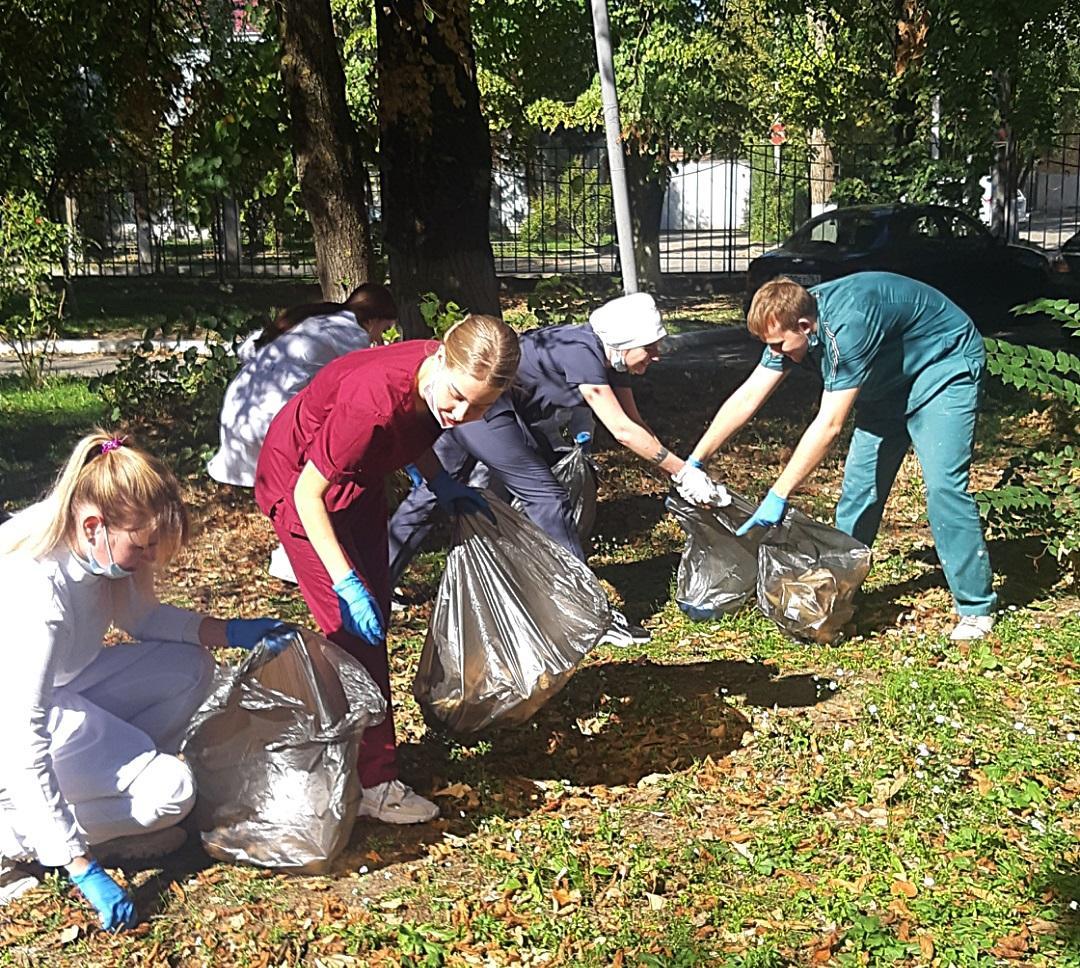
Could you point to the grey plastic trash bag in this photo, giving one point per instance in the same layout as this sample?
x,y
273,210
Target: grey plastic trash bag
x,y
274,751
717,571
808,574
575,471
514,616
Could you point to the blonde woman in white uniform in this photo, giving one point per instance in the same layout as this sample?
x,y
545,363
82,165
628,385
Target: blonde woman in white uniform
x,y
89,732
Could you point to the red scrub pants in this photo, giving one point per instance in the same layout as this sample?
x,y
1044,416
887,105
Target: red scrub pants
x,y
361,531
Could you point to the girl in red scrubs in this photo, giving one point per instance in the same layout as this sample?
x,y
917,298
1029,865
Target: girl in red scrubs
x,y
320,479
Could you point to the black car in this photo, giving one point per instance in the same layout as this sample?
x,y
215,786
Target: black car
x,y
1067,267
942,246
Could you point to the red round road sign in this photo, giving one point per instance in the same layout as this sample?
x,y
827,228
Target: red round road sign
x,y
777,133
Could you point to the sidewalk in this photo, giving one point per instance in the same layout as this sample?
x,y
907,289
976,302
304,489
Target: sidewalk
x,y
90,357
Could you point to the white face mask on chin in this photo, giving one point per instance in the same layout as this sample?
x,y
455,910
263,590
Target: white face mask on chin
x,y
428,394
617,358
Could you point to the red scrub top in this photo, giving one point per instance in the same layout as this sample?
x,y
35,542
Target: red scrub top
x,y
357,421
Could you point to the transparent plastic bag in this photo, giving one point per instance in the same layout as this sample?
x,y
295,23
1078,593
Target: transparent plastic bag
x,y
808,573
514,616
575,471
717,571
274,751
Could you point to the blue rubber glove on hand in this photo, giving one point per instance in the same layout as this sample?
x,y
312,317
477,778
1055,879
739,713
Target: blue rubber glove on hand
x,y
359,610
769,512
112,903
457,498
246,633
414,475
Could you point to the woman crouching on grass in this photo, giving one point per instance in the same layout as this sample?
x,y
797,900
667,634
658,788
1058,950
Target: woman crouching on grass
x,y
320,480
87,771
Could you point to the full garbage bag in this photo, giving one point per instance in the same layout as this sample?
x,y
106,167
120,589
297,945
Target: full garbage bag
x,y
274,751
808,573
717,571
514,615
804,573
577,473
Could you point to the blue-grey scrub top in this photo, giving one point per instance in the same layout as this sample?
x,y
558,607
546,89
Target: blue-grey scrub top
x,y
899,340
556,361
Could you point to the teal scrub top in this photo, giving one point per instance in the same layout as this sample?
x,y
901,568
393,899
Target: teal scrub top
x,y
899,340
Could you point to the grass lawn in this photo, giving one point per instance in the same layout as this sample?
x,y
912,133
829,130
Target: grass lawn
x,y
721,796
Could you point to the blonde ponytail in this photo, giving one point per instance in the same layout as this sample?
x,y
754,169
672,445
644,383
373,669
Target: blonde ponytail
x,y
485,348
130,489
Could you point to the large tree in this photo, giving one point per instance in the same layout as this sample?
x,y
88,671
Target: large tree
x,y
435,158
329,166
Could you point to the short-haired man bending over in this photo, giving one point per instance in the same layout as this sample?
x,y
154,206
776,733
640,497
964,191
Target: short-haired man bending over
x,y
910,362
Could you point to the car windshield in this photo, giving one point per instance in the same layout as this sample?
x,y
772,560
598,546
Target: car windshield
x,y
854,231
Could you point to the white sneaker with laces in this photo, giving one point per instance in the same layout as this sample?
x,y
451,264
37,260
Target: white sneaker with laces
x,y
14,880
394,802
156,843
622,634
971,627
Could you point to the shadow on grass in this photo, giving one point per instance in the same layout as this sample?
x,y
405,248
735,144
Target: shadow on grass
x,y
1024,571
644,586
615,723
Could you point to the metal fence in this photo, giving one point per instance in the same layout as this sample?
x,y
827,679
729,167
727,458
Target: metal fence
x,y
552,213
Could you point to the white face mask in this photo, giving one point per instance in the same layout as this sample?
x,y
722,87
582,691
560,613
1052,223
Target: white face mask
x,y
428,394
92,566
618,360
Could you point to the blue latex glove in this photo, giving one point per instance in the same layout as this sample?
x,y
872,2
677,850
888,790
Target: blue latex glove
x,y
457,498
112,903
769,512
694,462
359,610
246,633
414,475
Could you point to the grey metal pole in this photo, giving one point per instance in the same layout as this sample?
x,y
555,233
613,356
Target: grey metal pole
x,y
624,231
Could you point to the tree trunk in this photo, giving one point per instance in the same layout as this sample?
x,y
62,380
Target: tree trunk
x,y
822,171
435,159
326,145
646,181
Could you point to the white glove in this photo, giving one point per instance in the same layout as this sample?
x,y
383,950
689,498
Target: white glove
x,y
695,486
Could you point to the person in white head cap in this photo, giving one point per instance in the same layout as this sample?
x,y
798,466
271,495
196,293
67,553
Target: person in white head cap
x,y
562,367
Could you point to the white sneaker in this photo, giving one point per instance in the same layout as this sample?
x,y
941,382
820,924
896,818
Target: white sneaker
x,y
394,802
156,843
14,880
281,567
971,627
622,634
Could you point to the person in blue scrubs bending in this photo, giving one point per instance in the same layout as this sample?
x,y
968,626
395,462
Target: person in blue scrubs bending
x,y
910,363
562,367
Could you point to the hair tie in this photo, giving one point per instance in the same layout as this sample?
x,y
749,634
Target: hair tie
x,y
114,444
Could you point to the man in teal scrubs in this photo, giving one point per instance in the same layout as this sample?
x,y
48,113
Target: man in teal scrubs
x,y
913,360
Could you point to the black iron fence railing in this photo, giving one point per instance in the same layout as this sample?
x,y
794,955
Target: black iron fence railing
x,y
553,212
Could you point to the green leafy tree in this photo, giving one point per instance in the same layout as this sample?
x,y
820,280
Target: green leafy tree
x,y
680,69
31,248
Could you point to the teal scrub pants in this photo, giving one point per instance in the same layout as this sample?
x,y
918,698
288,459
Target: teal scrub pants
x,y
942,431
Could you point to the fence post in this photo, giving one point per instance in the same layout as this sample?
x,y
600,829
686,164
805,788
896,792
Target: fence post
x,y
230,224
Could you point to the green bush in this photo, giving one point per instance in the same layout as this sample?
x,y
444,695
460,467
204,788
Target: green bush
x,y
577,208
31,249
1038,494
174,399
